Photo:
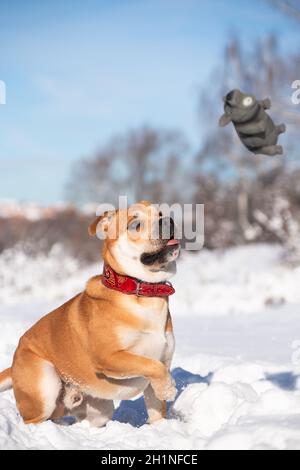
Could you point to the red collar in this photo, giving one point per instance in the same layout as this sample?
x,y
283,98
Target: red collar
x,y
131,285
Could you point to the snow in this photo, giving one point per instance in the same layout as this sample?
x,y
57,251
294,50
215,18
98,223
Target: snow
x,y
237,360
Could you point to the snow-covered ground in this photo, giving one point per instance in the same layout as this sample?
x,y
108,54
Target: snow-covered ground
x,y
237,361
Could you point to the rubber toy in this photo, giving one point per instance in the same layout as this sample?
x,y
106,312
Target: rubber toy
x,y
253,125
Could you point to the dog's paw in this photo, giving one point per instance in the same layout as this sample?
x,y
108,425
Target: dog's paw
x,y
72,397
164,390
154,416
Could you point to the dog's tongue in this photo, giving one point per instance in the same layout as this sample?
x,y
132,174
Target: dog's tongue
x,y
173,242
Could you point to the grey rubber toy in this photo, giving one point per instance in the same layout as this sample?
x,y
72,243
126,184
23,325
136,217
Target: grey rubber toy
x,y
253,125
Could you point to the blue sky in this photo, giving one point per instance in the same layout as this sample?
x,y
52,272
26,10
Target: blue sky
x,y
78,72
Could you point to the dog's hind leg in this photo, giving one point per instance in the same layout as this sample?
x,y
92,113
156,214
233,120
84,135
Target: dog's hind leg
x,y
5,380
36,386
95,410
69,398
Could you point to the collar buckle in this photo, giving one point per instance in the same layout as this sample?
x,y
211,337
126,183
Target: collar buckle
x,y
138,289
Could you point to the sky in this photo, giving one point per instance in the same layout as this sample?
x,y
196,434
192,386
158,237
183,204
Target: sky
x,y
77,73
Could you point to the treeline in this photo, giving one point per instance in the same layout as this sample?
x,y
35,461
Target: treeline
x,y
266,209
68,228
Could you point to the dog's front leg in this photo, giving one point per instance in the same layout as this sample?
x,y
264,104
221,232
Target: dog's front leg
x,y
126,364
170,343
157,409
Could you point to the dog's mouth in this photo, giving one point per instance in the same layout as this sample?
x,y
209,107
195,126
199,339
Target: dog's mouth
x,y
167,253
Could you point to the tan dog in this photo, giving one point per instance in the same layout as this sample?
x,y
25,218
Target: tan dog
x,y
104,344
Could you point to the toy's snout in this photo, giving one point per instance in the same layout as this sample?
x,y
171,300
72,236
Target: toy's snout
x,y
229,97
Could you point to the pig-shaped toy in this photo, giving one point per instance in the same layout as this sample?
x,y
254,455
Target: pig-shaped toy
x,y
253,125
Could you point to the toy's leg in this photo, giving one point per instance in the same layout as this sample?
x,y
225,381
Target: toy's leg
x,y
256,142
266,103
269,150
281,128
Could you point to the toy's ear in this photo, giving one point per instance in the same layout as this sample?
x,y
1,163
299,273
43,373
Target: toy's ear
x,y
101,223
224,120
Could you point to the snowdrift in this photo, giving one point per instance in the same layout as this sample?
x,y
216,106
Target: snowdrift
x,y
237,361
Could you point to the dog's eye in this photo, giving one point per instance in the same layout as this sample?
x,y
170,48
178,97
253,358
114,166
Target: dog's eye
x,y
135,226
247,101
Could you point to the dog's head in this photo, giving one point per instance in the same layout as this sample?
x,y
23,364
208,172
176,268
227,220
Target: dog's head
x,y
139,242
239,107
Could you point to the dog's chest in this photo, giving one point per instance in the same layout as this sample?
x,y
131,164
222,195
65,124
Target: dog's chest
x,y
150,340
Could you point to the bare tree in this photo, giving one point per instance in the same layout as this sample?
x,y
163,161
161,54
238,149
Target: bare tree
x,y
143,164
290,8
264,72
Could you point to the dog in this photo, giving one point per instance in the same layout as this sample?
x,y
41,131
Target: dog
x,y
113,341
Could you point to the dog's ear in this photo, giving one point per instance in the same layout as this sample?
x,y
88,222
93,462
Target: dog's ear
x,y
101,223
224,120
145,203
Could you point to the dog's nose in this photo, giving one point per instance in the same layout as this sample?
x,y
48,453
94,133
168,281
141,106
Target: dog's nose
x,y
166,228
230,96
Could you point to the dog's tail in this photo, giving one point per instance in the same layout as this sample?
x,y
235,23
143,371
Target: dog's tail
x,y
5,380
